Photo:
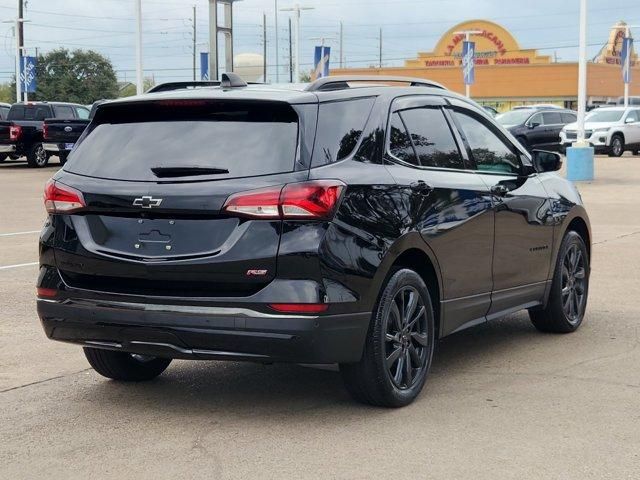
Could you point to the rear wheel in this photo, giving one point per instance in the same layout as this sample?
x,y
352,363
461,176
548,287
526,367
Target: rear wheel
x,y
617,146
569,289
125,366
37,156
399,345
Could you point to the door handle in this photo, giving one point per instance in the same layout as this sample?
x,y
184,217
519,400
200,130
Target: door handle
x,y
421,187
499,190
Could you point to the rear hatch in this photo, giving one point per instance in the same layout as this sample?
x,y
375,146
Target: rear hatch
x,y
154,178
63,131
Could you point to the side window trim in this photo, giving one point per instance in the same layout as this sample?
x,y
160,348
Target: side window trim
x,y
510,146
433,106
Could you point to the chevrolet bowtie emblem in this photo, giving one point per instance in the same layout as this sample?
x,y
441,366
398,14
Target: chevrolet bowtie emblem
x,y
147,202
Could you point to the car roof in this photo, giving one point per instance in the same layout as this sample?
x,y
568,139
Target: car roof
x,y
60,104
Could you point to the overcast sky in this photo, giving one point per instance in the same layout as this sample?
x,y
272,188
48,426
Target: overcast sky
x,y
408,26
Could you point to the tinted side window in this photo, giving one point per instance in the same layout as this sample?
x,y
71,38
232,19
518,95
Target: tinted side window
x,y
537,118
568,118
432,138
399,141
490,153
340,125
63,112
633,114
82,113
552,118
4,111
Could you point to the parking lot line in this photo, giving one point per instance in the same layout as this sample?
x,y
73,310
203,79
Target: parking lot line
x,y
18,233
7,267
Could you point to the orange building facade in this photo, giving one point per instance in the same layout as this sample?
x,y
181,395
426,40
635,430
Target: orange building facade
x,y
506,75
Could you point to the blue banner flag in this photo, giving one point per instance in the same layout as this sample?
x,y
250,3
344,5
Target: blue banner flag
x,y
321,62
625,58
204,65
28,74
468,62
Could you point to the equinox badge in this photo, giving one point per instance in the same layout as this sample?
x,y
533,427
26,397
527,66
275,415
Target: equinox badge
x,y
147,202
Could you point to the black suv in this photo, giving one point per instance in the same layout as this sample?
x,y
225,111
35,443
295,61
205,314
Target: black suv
x,y
537,128
327,223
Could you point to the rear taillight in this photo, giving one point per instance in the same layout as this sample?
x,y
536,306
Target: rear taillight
x,y
307,200
46,292
15,132
45,131
62,199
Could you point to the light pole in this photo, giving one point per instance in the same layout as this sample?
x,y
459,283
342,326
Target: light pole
x,y
277,46
628,61
139,77
467,36
580,154
296,9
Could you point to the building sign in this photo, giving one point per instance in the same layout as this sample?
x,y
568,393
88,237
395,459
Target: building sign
x,y
611,53
493,46
468,65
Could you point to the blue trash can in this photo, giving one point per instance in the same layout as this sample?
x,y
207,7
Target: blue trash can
x,y
580,164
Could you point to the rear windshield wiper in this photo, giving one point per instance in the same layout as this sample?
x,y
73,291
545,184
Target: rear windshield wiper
x,y
187,171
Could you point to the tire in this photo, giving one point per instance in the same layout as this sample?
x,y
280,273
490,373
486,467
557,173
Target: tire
x,y
617,146
63,158
569,289
635,152
3,158
37,156
125,366
374,379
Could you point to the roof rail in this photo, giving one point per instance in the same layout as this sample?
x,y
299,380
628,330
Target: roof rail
x,y
166,87
342,82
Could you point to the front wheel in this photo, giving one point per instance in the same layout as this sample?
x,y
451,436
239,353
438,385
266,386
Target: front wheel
x,y
37,156
399,345
569,289
124,366
617,146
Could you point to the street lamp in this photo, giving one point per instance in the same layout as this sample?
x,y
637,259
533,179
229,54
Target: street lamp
x,y
628,62
296,9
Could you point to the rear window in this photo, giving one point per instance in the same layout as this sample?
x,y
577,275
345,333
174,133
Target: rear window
x,y
340,126
239,139
63,112
29,112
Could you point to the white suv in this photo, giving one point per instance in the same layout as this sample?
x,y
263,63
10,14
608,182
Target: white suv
x,y
609,130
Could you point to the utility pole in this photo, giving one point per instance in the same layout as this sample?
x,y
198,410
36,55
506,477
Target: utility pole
x,y
139,77
467,36
296,9
341,45
226,29
277,46
380,50
264,47
290,55
195,32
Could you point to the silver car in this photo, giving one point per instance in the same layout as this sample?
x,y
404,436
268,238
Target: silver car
x,y
611,130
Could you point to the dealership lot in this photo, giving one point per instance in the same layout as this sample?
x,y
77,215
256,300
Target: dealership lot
x,y
503,401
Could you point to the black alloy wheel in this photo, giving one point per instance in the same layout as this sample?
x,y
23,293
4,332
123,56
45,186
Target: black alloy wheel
x,y
406,338
399,345
573,284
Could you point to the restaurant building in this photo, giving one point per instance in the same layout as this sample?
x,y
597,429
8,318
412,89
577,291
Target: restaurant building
x,y
507,75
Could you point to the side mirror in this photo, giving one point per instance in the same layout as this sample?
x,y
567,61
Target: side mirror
x,y
629,120
544,161
534,124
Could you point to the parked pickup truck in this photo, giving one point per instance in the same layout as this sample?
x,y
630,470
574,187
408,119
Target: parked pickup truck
x,y
21,133
61,134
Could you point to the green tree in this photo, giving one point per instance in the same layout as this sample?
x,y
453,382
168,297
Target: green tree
x,y
79,76
8,92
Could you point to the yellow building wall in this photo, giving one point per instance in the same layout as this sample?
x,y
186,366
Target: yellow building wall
x,y
554,80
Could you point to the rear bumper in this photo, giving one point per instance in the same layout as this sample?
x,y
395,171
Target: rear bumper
x,y
55,147
195,332
7,148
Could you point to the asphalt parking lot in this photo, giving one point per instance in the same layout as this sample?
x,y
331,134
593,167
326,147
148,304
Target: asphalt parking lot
x,y
503,400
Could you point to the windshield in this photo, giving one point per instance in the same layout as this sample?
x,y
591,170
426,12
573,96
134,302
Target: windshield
x,y
232,141
605,116
514,117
